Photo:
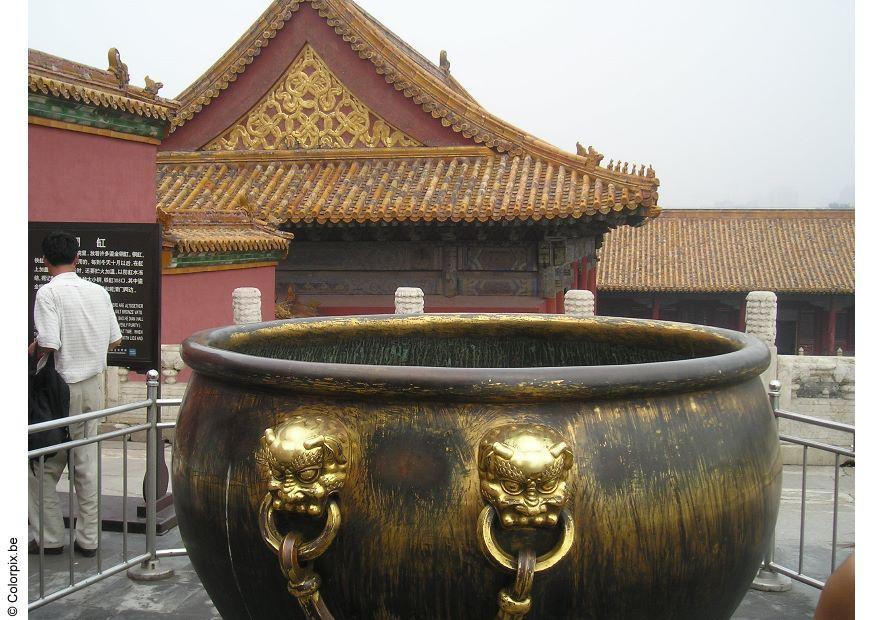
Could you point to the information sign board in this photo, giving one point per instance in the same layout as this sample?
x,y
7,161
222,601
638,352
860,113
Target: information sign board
x,y
125,259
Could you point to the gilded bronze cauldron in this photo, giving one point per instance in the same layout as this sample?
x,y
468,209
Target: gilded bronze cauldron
x,y
468,465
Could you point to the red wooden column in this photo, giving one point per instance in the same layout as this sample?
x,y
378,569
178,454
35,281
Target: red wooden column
x,y
819,344
654,312
742,315
575,270
560,302
581,274
829,336
591,283
551,305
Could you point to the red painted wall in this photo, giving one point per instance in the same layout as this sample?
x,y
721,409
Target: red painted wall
x,y
357,74
195,301
75,176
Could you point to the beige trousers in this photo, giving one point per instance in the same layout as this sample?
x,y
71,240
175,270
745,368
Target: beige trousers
x,y
85,396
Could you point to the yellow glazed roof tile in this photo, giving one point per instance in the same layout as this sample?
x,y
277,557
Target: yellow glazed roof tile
x,y
358,185
787,251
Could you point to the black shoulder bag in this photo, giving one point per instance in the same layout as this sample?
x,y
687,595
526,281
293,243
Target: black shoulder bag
x,y
48,399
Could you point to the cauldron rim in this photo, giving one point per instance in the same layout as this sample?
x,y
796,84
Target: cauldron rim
x,y
749,358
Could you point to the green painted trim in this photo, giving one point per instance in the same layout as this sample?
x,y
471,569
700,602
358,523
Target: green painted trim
x,y
205,259
79,113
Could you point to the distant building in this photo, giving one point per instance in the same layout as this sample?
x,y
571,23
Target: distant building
x,y
697,266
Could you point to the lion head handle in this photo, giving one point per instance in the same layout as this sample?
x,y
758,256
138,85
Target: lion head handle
x,y
305,459
523,473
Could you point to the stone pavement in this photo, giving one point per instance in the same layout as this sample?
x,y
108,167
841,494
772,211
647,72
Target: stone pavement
x,y
182,595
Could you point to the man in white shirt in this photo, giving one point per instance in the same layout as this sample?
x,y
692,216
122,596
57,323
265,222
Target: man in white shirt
x,y
74,319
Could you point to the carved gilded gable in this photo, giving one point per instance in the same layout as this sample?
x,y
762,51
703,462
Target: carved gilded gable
x,y
309,108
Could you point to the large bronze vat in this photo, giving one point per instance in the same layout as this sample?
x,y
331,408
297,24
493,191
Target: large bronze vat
x,y
444,466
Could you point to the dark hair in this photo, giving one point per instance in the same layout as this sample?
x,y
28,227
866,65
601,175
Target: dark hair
x,y
60,248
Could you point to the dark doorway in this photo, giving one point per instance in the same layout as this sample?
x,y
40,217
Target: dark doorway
x,y
786,338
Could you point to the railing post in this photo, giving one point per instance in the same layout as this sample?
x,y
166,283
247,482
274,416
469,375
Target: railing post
x,y
767,579
246,304
761,320
579,304
409,300
150,570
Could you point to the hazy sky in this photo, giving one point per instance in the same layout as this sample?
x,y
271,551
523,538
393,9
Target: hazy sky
x,y
746,103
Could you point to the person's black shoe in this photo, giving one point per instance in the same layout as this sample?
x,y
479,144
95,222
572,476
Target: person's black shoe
x,y
33,549
88,553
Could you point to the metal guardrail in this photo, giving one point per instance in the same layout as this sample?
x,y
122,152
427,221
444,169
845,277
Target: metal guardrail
x,y
144,566
776,577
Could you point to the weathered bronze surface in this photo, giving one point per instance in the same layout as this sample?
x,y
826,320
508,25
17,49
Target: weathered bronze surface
x,y
648,448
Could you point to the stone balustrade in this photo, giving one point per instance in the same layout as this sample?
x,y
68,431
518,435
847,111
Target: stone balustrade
x,y
819,386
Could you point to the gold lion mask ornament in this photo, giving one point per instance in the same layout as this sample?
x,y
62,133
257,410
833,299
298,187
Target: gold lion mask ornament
x,y
306,462
523,473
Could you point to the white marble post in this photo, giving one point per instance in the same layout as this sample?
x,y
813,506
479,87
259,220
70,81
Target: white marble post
x,y
409,300
246,302
761,320
171,362
761,315
579,303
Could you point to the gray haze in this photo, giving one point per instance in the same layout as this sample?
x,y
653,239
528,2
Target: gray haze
x,y
746,103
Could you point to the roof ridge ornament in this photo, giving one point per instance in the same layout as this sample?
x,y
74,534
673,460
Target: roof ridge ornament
x,y
244,203
593,157
152,87
165,219
444,62
620,167
118,68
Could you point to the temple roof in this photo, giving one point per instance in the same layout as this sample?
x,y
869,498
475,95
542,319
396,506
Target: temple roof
x,y
692,250
195,238
456,184
59,77
311,151
237,232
